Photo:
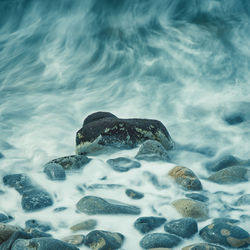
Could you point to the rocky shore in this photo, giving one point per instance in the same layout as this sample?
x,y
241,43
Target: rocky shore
x,y
129,192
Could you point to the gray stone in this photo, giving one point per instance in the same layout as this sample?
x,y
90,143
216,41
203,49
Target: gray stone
x,y
185,227
122,164
104,240
96,205
40,225
6,231
243,200
42,244
54,172
152,150
203,246
225,234
4,218
191,208
102,129
76,240
85,225
186,178
134,194
230,175
72,162
225,220
148,224
198,197
153,240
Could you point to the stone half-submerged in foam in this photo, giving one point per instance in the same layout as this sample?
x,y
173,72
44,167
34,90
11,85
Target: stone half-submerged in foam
x,y
102,129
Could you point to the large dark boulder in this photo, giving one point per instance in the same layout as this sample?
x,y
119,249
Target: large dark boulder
x,y
105,129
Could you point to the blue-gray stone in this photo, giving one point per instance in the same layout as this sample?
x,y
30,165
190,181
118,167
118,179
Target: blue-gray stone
x,y
225,220
148,224
134,194
203,246
198,197
225,234
185,227
40,225
1,155
96,205
122,164
243,200
54,171
4,218
104,240
153,240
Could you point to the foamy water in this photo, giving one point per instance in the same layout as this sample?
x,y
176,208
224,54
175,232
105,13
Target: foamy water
x,y
185,63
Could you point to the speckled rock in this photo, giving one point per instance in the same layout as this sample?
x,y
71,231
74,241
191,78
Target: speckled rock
x,y
230,175
42,244
85,225
7,230
103,129
197,197
122,164
191,208
152,150
134,194
186,178
71,162
203,246
54,171
185,227
40,225
96,205
153,240
102,240
148,224
243,200
225,234
76,240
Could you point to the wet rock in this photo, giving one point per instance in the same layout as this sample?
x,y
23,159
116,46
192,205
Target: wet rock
x,y
4,218
122,164
225,234
42,244
191,208
1,155
102,129
134,194
160,248
230,175
6,231
153,240
186,178
234,119
152,151
71,162
76,240
40,225
243,200
102,240
225,220
85,225
102,186
54,172
60,209
148,224
198,197
96,205
185,227
36,199
202,246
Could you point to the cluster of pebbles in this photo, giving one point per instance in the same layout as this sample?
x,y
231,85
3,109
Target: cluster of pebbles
x,y
100,133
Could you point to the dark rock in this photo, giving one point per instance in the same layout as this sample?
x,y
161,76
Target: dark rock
x,y
191,208
225,234
225,220
186,178
185,227
153,240
122,164
104,129
234,119
198,197
1,155
42,244
35,233
4,218
36,199
6,245
202,246
103,186
85,225
76,240
225,162
6,231
102,240
60,209
152,150
230,175
40,225
96,205
243,200
54,171
71,162
134,194
147,224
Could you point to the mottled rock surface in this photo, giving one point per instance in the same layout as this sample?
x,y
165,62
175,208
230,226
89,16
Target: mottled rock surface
x,y
85,225
54,172
40,225
6,231
134,194
203,246
243,200
197,197
76,240
123,164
